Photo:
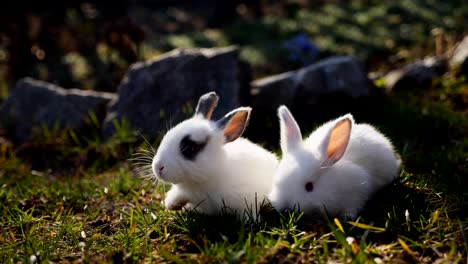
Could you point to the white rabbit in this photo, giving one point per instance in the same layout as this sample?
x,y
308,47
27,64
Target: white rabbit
x,y
335,170
210,166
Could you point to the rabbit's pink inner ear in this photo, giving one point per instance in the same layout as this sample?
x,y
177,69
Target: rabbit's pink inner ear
x,y
339,138
290,132
236,125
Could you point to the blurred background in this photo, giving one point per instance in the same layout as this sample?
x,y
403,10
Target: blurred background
x,y
91,44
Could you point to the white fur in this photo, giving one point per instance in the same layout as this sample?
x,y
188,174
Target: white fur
x,y
342,188
230,174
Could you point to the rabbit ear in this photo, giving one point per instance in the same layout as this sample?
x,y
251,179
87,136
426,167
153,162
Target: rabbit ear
x,y
206,104
290,132
334,146
234,123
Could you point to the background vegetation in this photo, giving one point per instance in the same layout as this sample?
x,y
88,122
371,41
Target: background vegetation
x,y
68,198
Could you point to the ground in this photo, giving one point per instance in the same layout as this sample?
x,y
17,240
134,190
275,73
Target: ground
x,y
69,199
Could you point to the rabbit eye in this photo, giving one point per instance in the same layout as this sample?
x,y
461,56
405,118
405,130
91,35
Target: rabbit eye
x,y
190,148
309,186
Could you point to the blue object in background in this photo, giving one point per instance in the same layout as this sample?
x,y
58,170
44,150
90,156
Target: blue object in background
x,y
300,49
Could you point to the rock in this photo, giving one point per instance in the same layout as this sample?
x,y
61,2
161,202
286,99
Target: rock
x,y
33,104
460,53
159,93
418,75
438,64
273,91
459,57
339,74
464,68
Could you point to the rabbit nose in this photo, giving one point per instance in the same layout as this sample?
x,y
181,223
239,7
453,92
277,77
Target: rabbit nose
x,y
160,168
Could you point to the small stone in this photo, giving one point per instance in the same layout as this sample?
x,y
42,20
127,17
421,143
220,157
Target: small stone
x,y
416,76
33,259
82,245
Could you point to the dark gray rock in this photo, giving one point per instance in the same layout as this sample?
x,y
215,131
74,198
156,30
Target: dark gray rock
x,y
438,64
464,68
418,75
157,94
339,74
34,104
413,76
272,91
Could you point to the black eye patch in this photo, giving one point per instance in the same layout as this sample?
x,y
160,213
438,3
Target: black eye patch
x,y
190,148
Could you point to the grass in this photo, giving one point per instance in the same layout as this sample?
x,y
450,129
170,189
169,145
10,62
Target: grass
x,y
371,31
76,210
70,198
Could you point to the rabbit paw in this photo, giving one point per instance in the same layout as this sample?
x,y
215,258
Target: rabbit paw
x,y
176,203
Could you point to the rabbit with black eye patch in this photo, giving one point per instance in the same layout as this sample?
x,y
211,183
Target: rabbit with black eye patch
x,y
335,170
210,166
